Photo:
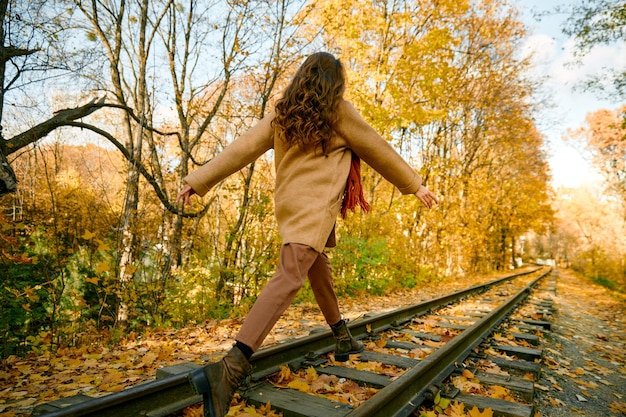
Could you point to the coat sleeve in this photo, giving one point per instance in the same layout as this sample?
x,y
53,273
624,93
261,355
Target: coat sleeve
x,y
241,152
376,151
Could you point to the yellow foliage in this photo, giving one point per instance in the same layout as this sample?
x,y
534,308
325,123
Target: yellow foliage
x,y
88,235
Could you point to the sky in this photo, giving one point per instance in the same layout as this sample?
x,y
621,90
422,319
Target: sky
x,y
552,57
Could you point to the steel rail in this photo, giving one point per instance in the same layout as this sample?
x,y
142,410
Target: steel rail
x,y
164,396
402,396
269,360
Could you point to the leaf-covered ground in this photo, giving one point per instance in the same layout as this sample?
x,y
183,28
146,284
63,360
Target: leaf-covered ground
x,y
585,358
584,366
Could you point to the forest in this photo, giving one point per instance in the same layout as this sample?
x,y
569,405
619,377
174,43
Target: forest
x,y
107,104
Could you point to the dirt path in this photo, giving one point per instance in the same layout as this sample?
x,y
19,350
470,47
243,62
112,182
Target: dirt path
x,y
584,371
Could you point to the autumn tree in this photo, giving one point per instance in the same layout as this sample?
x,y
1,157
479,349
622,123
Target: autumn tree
x,y
604,136
442,82
591,235
171,84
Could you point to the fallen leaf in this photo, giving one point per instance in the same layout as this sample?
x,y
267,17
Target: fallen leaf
x,y
467,374
299,385
474,412
618,407
556,402
497,391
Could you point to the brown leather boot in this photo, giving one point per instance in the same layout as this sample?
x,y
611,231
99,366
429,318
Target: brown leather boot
x,y
346,344
218,381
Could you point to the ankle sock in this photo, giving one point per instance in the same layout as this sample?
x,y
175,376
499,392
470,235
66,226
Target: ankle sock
x,y
245,349
339,323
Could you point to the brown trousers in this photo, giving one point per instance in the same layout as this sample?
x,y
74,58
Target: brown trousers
x,y
296,263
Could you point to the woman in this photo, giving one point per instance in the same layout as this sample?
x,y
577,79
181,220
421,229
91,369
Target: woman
x,y
318,138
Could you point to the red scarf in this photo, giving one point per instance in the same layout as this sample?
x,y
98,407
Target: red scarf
x,y
353,194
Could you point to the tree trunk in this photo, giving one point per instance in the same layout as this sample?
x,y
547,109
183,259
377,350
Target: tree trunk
x,y
513,252
8,181
130,218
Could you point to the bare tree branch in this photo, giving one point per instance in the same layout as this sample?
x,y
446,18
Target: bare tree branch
x,y
9,52
61,118
65,117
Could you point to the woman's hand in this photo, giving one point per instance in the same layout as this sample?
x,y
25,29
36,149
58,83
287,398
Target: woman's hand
x,y
185,195
426,197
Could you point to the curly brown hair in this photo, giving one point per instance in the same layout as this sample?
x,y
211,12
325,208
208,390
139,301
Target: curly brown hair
x,y
306,112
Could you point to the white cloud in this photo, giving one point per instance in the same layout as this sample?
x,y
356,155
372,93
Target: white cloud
x,y
567,70
541,49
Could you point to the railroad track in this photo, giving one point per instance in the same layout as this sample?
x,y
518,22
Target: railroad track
x,y
431,348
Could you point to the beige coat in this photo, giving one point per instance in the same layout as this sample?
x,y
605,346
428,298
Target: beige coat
x,y
310,185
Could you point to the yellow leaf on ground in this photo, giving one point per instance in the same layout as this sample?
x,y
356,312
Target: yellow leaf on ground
x,y
497,391
299,385
148,359
284,374
311,374
24,403
556,402
499,338
249,411
444,403
456,409
618,407
474,412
